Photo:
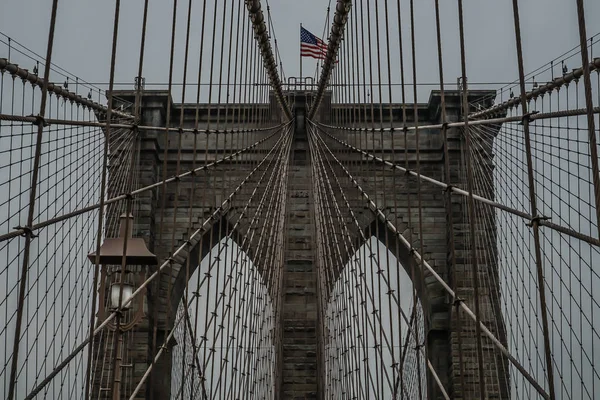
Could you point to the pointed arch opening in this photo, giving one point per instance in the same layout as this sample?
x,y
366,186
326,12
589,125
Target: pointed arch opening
x,y
224,343
375,328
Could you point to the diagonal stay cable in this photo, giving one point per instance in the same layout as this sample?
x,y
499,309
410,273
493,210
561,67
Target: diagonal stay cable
x,y
132,126
490,121
347,235
462,192
421,261
174,178
219,211
195,353
280,145
279,174
335,242
246,242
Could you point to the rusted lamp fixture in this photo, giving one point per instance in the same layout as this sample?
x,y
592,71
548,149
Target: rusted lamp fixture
x,y
111,259
115,290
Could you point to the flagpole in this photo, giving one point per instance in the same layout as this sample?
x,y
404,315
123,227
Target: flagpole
x,y
301,83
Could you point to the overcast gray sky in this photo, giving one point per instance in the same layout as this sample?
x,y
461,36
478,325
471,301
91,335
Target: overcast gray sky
x,y
84,30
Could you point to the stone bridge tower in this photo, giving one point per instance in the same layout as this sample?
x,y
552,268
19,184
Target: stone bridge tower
x,y
298,360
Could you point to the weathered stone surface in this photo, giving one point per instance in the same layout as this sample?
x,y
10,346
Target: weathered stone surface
x,y
300,297
158,222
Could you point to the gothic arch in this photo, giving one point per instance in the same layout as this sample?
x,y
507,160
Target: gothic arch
x,y
431,295
204,245
205,251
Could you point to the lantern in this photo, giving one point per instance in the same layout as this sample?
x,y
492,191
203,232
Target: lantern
x,y
117,285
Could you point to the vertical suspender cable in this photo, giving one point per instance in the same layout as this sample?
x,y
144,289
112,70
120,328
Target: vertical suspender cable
x,y
340,18
532,198
449,212
31,208
589,106
471,206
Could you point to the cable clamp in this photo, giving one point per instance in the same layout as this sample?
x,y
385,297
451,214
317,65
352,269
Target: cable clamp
x,y
405,129
27,231
537,219
119,313
39,120
445,125
457,301
180,130
448,188
527,117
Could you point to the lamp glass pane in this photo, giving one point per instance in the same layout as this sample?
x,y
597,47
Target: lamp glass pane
x,y
114,295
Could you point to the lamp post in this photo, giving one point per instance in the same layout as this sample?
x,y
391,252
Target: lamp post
x,y
124,262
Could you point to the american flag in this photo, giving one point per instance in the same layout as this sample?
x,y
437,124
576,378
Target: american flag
x,y
312,46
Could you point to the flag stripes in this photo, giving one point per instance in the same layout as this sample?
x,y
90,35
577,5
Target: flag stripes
x,y
312,46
